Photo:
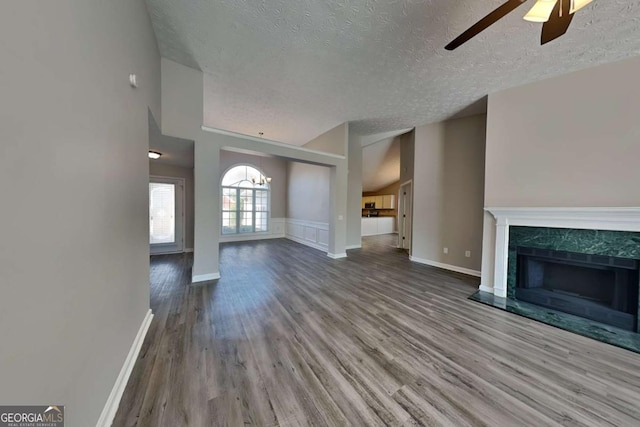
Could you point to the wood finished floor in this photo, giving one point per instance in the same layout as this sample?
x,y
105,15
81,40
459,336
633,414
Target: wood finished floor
x,y
290,337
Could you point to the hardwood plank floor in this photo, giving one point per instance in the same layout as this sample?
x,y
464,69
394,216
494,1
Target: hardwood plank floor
x,y
290,337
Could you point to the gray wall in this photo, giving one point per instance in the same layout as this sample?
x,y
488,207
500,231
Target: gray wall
x,y
309,186
74,171
160,169
354,190
182,100
273,167
448,191
568,141
308,192
407,149
332,141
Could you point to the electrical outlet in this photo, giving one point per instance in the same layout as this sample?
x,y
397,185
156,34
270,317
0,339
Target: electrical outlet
x,y
467,254
445,250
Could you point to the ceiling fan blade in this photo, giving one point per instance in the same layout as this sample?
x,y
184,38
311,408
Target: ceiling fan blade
x,y
485,22
558,23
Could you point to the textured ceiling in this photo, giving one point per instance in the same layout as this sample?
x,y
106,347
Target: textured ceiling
x,y
380,164
296,68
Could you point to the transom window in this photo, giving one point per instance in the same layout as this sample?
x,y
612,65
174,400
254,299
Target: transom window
x,y
245,201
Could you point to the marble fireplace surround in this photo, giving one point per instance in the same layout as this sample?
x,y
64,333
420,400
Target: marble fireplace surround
x,y
601,218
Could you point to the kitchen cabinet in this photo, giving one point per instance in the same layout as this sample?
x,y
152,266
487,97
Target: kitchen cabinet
x,y
387,201
369,226
379,225
386,224
368,199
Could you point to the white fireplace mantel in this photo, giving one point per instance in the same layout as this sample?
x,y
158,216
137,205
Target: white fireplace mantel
x,y
617,219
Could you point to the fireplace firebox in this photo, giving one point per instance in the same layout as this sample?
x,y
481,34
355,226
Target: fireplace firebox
x,y
596,287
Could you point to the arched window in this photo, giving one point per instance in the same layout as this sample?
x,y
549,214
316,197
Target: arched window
x,y
245,201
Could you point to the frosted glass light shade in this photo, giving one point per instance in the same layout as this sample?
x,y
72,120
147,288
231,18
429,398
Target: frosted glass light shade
x,y
541,11
576,5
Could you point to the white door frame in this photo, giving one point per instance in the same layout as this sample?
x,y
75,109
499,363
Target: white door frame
x,y
405,215
178,247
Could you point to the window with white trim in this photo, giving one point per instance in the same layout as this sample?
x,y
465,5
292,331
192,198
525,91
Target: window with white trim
x,y
245,201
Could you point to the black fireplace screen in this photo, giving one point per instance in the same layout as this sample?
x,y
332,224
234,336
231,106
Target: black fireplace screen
x,y
596,287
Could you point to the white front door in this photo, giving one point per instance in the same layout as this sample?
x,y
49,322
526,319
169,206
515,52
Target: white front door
x,y
166,219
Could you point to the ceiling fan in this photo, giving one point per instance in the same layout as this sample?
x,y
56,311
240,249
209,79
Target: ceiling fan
x,y
556,16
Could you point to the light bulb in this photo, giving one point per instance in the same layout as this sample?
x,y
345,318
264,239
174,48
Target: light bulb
x,y
541,11
576,5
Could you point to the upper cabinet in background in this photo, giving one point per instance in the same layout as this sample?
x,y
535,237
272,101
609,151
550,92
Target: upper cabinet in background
x,y
382,202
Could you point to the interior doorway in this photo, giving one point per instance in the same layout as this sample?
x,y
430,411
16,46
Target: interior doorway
x,y
166,214
405,217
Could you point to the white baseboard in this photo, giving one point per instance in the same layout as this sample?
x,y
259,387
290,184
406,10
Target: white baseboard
x,y
205,277
276,231
189,250
484,288
337,256
250,237
111,407
307,243
450,267
353,247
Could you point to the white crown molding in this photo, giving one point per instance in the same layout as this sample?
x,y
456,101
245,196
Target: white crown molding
x,y
596,218
270,142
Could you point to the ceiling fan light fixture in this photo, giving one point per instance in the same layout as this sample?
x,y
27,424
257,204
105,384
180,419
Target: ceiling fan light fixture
x,y
541,11
576,5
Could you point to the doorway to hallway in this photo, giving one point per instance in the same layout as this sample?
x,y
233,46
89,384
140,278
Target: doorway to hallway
x,y
166,214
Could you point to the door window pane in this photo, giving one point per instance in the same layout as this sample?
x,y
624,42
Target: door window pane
x,y
262,201
229,223
246,222
261,221
162,211
229,199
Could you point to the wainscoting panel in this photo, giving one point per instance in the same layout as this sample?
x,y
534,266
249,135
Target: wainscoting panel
x,y
310,233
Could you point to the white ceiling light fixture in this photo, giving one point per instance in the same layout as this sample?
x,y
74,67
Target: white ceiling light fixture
x,y
541,11
576,5
154,155
262,180
555,16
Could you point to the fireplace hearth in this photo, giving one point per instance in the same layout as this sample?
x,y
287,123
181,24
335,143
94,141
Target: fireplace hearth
x,y
597,287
